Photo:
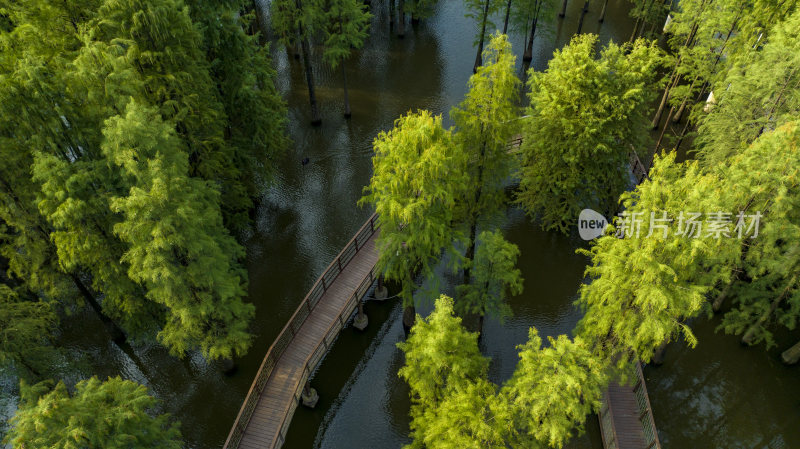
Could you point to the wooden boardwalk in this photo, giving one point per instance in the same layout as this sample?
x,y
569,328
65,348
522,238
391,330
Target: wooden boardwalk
x,y
267,411
626,419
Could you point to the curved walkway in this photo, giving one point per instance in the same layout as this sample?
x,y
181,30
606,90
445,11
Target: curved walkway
x,y
267,411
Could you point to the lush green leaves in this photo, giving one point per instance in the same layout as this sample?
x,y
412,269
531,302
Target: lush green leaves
x,y
586,115
414,187
111,415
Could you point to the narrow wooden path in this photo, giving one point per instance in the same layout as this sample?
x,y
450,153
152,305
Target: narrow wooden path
x,y
267,411
626,419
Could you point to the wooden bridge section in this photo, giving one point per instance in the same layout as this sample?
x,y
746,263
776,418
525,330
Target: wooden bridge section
x,y
626,420
267,411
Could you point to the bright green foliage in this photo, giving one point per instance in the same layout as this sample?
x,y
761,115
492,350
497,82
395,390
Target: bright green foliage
x,y
446,373
761,94
177,245
26,327
484,123
416,174
724,33
494,276
766,177
643,287
440,355
586,114
552,391
465,418
111,415
347,23
455,406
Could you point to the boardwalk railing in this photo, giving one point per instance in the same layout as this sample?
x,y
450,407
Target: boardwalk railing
x,y
608,430
295,322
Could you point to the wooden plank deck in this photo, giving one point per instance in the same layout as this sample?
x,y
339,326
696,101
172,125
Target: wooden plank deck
x,y
626,419
270,404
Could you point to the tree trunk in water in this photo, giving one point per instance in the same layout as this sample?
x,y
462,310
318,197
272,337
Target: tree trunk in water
x,y
470,254
717,304
563,9
791,355
508,12
347,112
528,56
635,29
603,12
583,14
478,58
409,317
116,333
664,129
658,356
391,16
316,120
401,24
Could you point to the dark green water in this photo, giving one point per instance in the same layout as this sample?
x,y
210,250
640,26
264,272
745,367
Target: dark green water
x,y
718,395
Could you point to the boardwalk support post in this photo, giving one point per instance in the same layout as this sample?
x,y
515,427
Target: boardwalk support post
x,y
309,397
361,321
381,292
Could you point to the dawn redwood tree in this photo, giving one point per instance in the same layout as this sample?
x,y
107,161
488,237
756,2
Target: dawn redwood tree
x,y
765,178
347,23
494,277
484,123
586,115
115,414
482,11
760,96
416,174
27,325
527,16
552,391
643,287
446,373
242,71
177,246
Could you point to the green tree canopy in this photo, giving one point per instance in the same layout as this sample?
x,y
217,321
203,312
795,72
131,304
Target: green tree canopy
x,y
178,247
416,174
26,328
115,414
586,115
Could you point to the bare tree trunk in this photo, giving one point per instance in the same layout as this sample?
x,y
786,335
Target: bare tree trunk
x,y
717,304
791,355
603,12
409,318
347,112
528,55
478,57
563,9
116,333
583,14
508,13
563,12
316,120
